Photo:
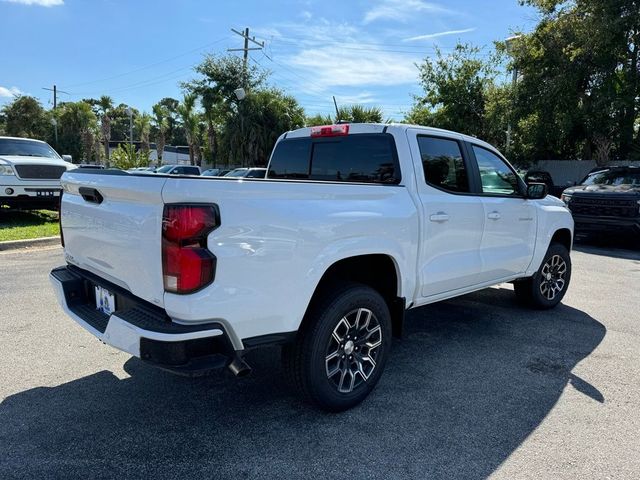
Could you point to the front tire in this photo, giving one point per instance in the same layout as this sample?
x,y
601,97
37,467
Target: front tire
x,y
341,349
549,284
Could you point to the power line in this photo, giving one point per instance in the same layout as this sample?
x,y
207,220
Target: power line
x,y
245,49
55,94
147,66
142,83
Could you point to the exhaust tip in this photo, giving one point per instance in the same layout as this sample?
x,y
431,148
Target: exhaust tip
x,y
239,367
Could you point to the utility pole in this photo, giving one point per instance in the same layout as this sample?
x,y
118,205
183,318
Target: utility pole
x,y
55,105
245,49
245,74
55,94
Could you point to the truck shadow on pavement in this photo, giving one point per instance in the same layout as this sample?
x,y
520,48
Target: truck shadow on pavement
x,y
471,379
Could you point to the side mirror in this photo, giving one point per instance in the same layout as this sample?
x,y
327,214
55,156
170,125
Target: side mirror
x,y
67,158
536,191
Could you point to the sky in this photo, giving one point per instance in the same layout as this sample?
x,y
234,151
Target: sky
x,y
138,51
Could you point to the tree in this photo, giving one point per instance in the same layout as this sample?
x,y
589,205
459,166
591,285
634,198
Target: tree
x,y
126,156
120,122
244,131
105,104
25,117
221,76
359,114
143,128
579,90
318,119
250,134
455,91
175,134
213,113
189,118
77,128
161,124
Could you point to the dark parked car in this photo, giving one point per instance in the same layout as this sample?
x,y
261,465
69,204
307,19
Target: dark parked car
x,y
606,201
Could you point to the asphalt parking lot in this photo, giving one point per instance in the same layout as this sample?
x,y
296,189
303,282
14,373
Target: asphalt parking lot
x,y
477,388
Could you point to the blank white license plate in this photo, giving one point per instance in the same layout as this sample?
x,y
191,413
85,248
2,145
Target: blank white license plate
x,y
105,301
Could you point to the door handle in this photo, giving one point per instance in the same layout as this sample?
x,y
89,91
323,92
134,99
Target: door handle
x,y
439,217
493,216
90,195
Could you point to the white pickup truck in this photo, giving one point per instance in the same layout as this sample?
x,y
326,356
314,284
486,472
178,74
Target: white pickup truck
x,y
354,224
30,172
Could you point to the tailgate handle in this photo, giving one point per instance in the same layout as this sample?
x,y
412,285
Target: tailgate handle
x,y
91,195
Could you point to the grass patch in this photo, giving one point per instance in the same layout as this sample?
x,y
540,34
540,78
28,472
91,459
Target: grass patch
x,y
16,225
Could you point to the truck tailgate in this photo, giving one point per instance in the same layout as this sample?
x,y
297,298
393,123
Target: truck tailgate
x,y
112,224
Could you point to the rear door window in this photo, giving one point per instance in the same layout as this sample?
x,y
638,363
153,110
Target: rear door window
x,y
443,163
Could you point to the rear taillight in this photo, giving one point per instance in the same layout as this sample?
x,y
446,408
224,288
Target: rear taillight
x,y
330,130
187,264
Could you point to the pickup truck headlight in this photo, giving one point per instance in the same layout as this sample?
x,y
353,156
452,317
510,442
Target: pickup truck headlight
x,y
566,198
6,170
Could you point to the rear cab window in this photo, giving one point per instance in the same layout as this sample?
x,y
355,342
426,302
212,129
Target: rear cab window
x,y
355,158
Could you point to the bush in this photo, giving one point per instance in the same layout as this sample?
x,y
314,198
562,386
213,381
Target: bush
x,y
126,156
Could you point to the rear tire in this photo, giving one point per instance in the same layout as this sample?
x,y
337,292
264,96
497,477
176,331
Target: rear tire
x,y
548,286
341,348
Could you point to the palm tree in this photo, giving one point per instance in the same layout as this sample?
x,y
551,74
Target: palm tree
x,y
160,119
210,113
105,104
360,114
189,118
143,126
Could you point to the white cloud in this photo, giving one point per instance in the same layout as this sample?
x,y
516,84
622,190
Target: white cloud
x,y
438,34
9,92
347,65
324,55
40,3
360,98
402,10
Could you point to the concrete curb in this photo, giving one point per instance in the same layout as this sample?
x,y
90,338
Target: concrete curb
x,y
29,243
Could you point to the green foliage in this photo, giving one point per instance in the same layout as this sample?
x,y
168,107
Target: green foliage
x,y
160,126
120,122
579,89
456,90
175,134
359,114
190,122
25,117
249,134
349,113
318,119
237,131
77,128
143,128
126,156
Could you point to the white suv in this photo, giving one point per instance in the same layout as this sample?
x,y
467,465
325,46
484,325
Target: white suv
x,y
30,172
